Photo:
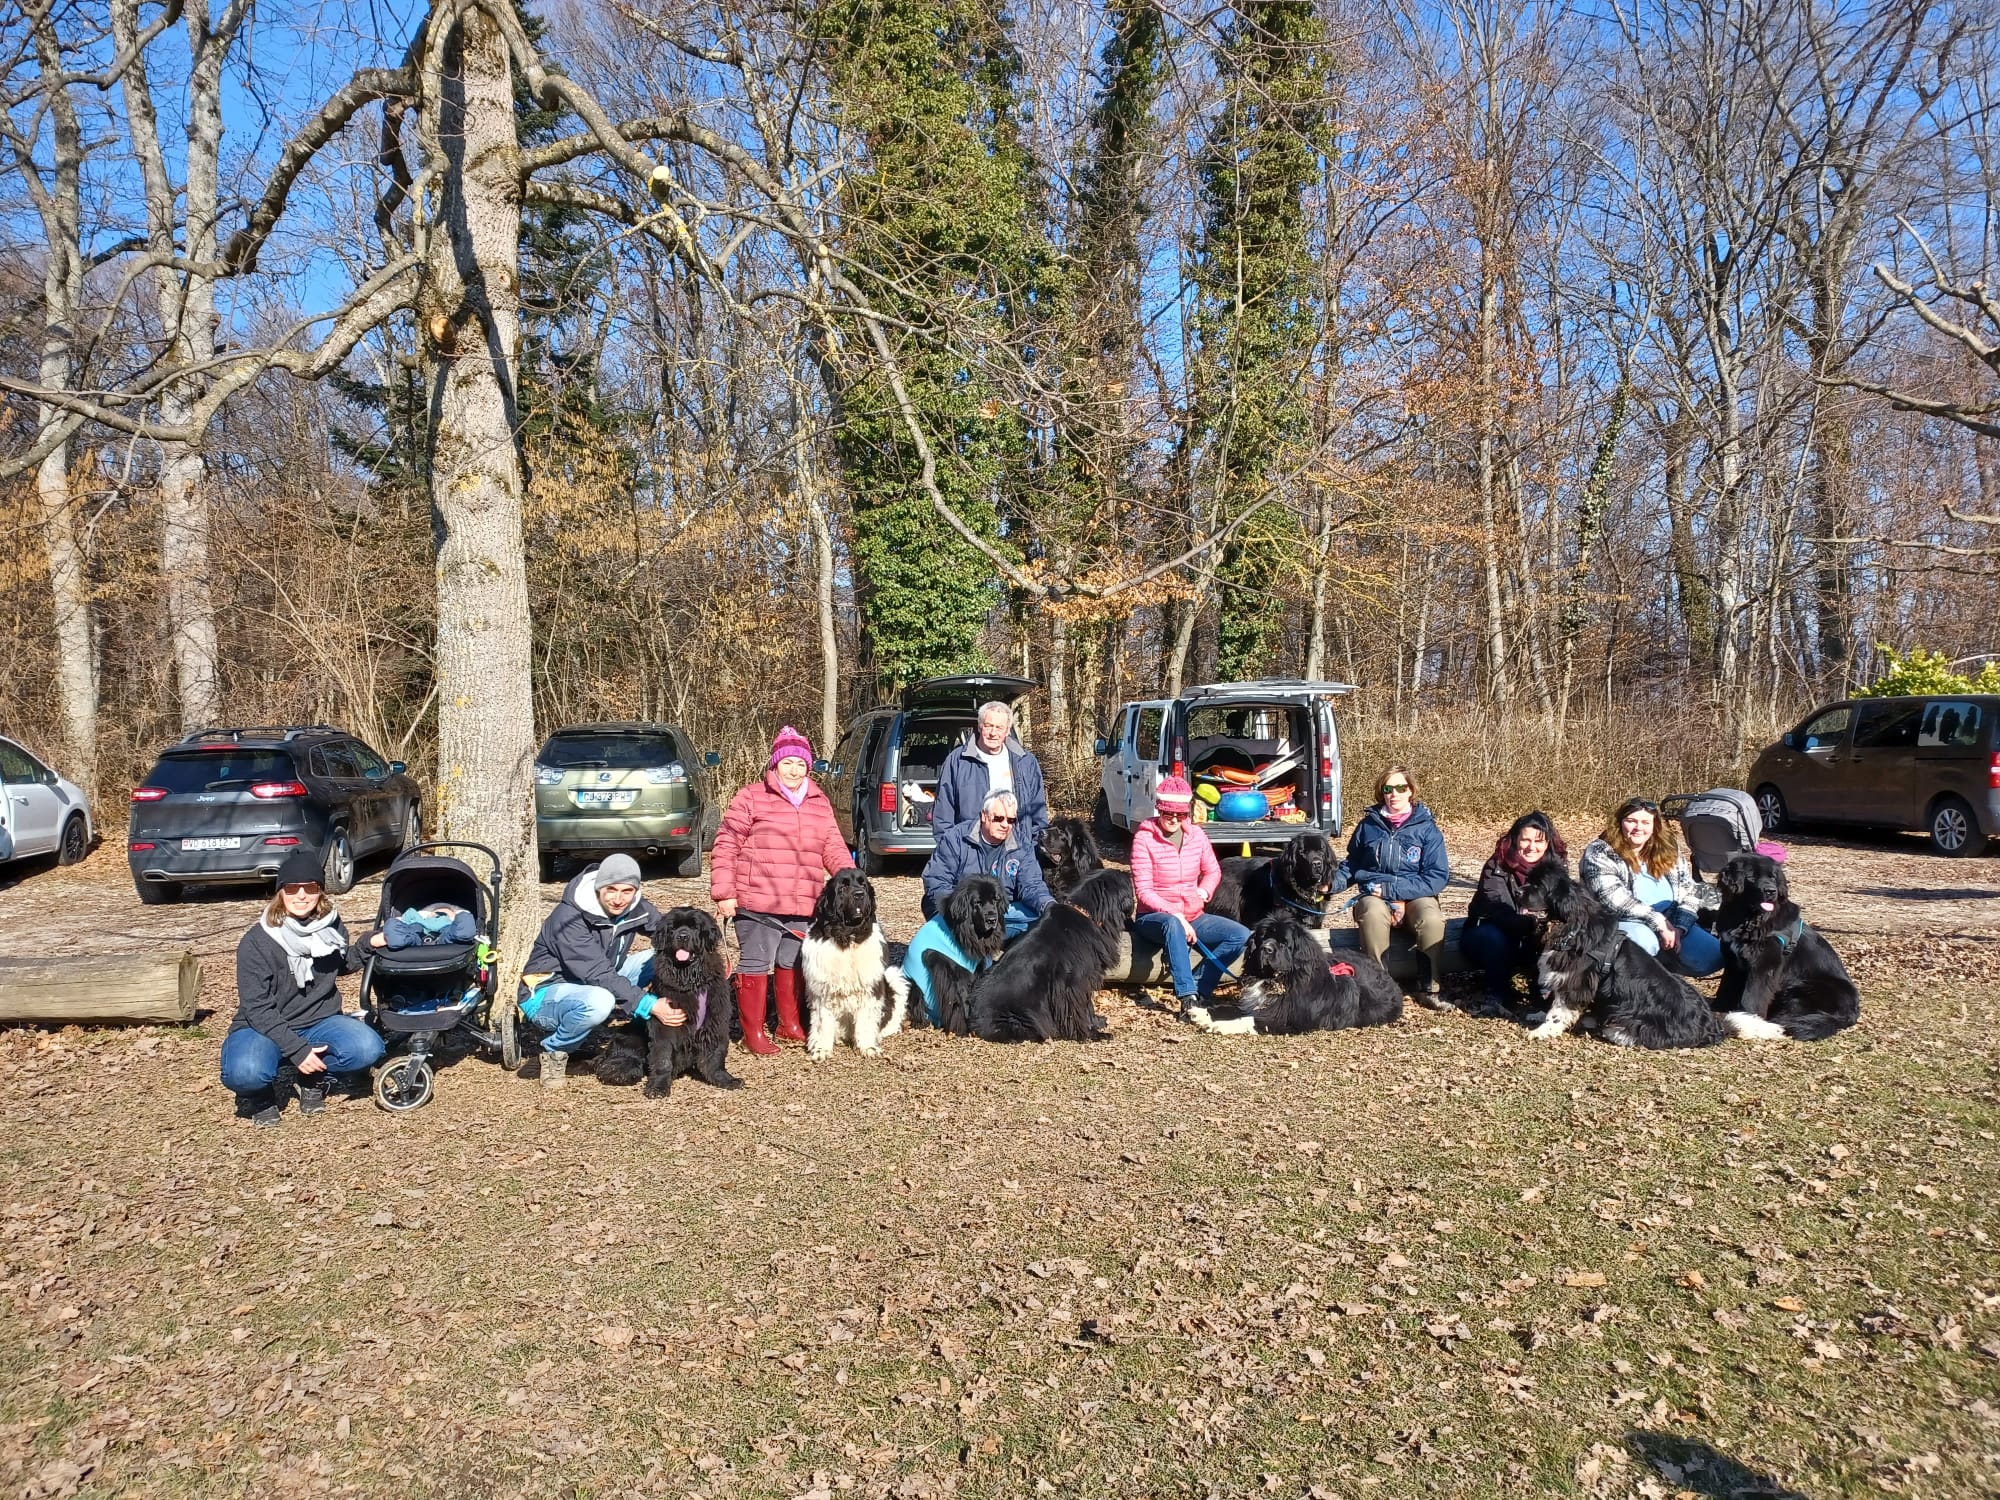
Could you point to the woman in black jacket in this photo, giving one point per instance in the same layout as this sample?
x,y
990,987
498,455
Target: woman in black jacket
x,y
1498,936
287,1005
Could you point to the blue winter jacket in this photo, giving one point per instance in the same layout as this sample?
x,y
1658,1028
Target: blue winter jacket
x,y
1404,863
964,852
961,791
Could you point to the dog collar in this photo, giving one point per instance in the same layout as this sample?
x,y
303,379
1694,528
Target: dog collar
x,y
1297,905
1790,937
700,1008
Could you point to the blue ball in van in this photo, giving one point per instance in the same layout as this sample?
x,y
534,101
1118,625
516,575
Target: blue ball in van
x,y
1243,807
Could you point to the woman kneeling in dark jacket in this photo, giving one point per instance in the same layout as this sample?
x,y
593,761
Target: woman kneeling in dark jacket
x,y
1498,936
287,1004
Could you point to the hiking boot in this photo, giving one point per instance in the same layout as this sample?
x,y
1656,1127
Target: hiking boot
x,y
312,1099
555,1066
1188,1006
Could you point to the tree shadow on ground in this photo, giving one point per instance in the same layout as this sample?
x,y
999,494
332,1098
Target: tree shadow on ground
x,y
1912,893
1689,1464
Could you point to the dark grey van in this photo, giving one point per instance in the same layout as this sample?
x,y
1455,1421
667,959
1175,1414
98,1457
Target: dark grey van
x,y
883,776
1930,763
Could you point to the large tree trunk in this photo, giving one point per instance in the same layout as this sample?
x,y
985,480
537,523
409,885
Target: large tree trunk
x,y
184,567
69,590
470,313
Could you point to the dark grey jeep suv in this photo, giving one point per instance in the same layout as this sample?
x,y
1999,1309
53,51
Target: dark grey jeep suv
x,y
226,806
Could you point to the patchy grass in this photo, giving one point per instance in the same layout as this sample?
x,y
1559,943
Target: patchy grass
x,y
1438,1259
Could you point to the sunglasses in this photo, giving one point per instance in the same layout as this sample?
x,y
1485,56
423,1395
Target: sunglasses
x,y
1642,806
1395,786
999,817
301,889
1173,812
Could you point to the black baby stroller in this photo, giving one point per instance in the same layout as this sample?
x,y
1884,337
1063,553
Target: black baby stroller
x,y
416,996
1718,824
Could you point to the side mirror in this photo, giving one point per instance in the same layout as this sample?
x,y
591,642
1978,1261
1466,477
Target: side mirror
x,y
1102,747
1791,740
397,768
711,758
822,766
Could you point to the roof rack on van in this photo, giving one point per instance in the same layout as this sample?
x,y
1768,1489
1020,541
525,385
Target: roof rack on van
x,y
256,732
1291,684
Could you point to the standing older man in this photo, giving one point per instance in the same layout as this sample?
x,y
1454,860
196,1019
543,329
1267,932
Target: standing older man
x,y
993,760
995,845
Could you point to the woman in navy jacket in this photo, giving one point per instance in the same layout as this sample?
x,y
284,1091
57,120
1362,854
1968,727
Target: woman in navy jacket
x,y
1396,856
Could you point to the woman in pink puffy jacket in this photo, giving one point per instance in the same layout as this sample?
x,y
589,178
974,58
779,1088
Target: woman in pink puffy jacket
x,y
777,844
1174,872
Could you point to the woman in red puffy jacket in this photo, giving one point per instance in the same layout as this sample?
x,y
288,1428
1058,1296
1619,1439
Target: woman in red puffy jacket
x,y
777,845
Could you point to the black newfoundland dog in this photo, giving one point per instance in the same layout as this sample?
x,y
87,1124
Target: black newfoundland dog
x,y
1293,985
1589,968
1041,989
1780,979
1067,851
688,974
1297,881
975,915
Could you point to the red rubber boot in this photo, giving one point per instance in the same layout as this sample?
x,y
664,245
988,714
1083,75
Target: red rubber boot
x,y
750,1009
786,983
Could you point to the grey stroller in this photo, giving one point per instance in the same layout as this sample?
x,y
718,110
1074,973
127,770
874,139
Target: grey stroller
x,y
1718,824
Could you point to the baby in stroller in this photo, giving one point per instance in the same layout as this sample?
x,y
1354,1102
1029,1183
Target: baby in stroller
x,y
429,971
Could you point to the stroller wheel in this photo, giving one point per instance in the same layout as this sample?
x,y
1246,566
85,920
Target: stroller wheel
x,y
403,1084
510,1038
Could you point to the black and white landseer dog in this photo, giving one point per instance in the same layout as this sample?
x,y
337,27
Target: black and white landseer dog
x,y
1298,880
1588,967
1780,979
1042,987
974,915
849,984
1067,851
1293,985
688,974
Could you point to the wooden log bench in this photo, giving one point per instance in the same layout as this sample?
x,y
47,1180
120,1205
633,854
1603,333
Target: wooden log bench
x,y
100,989
1141,962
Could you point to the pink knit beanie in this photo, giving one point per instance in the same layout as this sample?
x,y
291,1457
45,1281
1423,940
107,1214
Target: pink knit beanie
x,y
789,742
1173,794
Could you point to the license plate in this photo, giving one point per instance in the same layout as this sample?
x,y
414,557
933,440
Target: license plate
x,y
612,800
191,845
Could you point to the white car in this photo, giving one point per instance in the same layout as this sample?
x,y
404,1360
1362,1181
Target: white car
x,y
40,812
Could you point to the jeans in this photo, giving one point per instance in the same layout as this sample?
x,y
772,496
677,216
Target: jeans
x,y
1222,937
250,1060
569,1012
1497,955
1699,954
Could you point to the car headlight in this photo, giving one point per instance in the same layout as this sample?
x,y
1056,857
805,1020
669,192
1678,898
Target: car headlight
x,y
548,775
673,773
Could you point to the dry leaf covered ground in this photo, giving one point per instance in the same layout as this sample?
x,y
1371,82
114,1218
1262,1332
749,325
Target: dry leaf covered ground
x,y
1435,1259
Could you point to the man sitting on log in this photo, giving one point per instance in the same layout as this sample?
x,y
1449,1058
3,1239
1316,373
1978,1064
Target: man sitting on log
x,y
288,1015
992,844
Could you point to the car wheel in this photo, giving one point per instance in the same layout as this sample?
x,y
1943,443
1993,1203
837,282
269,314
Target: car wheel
x,y
1953,829
867,861
545,865
1100,819
75,841
413,828
157,892
337,877
1771,808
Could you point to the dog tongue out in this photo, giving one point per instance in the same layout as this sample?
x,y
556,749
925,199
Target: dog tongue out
x,y
681,954
1768,905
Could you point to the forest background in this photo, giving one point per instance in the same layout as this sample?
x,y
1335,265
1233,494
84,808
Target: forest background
x,y
1595,386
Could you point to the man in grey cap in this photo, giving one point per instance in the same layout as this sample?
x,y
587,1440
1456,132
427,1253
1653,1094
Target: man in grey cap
x,y
582,968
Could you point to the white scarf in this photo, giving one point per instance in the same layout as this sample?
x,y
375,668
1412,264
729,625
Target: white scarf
x,y
305,941
999,766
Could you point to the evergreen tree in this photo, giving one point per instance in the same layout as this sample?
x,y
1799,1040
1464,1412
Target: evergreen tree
x,y
1258,304
938,213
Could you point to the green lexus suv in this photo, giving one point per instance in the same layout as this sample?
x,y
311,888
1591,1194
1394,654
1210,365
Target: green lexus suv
x,y
640,788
